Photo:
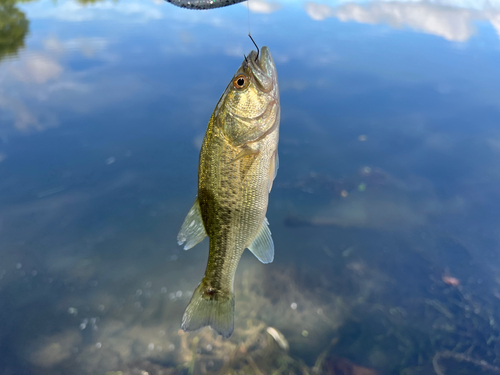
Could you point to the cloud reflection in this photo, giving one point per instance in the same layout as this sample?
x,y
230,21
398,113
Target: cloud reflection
x,y
40,81
450,23
495,21
261,6
87,46
453,23
37,68
24,119
75,12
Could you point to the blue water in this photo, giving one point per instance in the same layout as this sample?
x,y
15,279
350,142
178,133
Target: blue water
x,y
385,213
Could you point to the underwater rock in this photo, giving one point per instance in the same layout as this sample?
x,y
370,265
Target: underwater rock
x,y
251,350
280,338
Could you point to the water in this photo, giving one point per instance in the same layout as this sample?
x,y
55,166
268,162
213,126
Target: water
x,y
385,213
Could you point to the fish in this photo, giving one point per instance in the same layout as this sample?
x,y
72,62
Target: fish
x,y
237,166
203,4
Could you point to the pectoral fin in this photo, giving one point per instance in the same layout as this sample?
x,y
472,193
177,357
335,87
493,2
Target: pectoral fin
x,y
273,169
192,231
262,246
246,151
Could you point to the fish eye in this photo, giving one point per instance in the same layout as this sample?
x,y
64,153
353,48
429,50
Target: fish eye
x,y
240,82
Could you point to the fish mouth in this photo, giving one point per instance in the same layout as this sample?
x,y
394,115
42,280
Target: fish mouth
x,y
263,68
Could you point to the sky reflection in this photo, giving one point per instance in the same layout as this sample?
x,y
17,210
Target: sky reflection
x,y
388,177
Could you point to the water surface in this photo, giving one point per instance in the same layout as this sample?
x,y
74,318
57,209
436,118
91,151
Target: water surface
x,y
385,213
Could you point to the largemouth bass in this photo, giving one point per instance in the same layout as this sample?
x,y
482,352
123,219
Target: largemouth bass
x,y
238,163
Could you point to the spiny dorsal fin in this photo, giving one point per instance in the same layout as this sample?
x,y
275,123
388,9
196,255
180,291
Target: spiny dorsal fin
x,y
262,246
192,231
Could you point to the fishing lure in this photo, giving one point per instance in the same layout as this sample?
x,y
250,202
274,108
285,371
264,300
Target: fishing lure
x,y
203,4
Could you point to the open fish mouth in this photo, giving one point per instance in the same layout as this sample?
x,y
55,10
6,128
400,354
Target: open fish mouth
x,y
263,69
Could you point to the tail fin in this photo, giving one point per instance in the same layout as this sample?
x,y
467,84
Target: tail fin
x,y
209,307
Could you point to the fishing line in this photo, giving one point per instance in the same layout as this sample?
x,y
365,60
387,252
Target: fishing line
x,y
249,33
248,11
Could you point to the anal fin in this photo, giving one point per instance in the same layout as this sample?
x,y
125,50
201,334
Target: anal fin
x,y
273,169
262,246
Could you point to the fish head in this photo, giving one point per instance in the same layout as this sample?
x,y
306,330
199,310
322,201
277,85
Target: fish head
x,y
249,109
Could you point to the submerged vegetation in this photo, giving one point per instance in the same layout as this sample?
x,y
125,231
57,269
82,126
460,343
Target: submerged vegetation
x,y
373,298
354,322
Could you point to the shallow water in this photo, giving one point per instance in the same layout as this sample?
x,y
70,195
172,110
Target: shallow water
x,y
385,213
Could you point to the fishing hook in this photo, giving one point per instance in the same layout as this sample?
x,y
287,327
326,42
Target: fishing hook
x,y
255,44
